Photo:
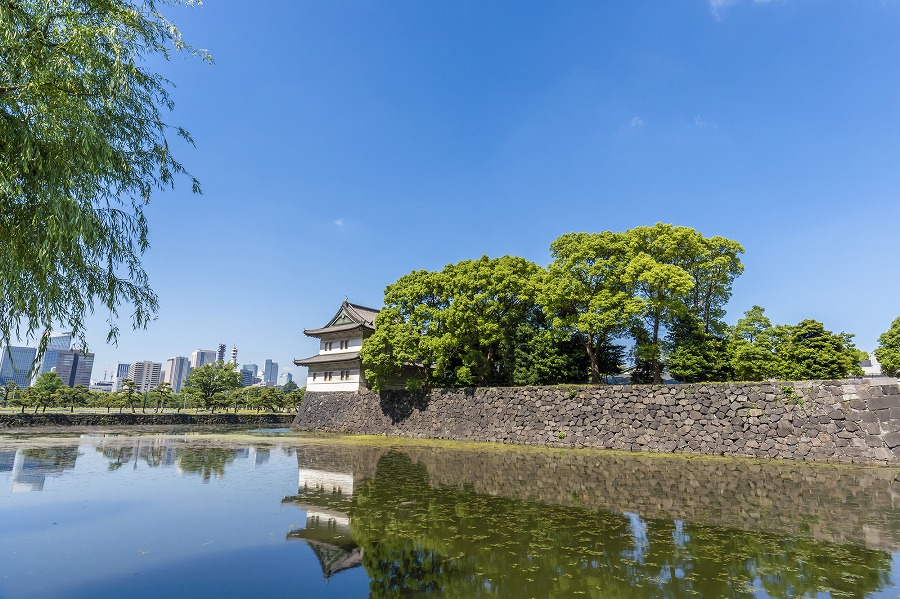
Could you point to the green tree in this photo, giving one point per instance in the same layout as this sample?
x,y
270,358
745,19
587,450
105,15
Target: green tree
x,y
289,386
83,146
455,327
588,292
128,393
808,351
8,388
696,355
108,400
888,352
679,272
209,383
660,282
79,395
45,390
271,399
161,394
293,399
751,347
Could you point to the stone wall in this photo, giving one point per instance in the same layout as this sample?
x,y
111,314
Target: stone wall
x,y
854,420
19,420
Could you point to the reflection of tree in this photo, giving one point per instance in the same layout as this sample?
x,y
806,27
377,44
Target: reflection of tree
x,y
205,461
419,539
118,456
56,459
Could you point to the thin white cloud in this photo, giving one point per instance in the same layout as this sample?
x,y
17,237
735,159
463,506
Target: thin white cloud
x,y
637,122
339,222
698,121
716,7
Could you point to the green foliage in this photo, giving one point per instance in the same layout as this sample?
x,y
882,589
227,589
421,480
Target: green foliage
x,y
289,386
456,327
209,383
45,391
696,355
83,146
751,347
808,351
677,271
589,291
888,352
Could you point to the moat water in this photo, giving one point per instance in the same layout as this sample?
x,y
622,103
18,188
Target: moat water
x,y
276,514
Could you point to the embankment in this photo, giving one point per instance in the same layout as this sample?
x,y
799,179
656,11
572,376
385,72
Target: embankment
x,y
855,420
19,420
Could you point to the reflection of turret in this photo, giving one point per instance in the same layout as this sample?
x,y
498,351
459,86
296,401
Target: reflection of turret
x,y
31,467
327,499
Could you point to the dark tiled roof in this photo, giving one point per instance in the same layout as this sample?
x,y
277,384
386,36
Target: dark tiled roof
x,y
365,314
328,358
336,329
361,317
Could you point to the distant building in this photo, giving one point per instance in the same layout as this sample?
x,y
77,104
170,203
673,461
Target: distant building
x,y
246,377
121,374
254,368
270,373
337,366
58,342
234,354
15,364
220,356
104,386
177,370
204,356
285,378
74,367
146,374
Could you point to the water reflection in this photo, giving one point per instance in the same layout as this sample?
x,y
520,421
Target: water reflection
x,y
29,468
518,524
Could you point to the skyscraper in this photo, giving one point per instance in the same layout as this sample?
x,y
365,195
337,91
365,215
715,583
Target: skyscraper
x,y
177,370
270,374
145,374
58,342
15,364
234,354
254,368
285,378
221,355
246,377
203,356
121,373
74,367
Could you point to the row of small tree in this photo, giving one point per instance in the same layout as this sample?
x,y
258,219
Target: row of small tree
x,y
661,289
209,387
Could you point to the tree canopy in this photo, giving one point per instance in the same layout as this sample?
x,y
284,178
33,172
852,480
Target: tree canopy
x,y
83,146
888,352
208,382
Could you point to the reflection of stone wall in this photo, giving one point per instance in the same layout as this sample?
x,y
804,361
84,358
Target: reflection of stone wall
x,y
835,503
839,421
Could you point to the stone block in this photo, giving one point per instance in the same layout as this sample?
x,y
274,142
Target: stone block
x,y
884,402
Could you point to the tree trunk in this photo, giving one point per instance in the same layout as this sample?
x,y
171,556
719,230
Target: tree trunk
x,y
595,364
108,408
657,376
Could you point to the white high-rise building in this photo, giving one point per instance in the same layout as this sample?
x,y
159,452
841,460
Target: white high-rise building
x,y
203,356
145,374
177,370
285,378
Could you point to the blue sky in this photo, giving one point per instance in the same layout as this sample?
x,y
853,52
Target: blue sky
x,y
341,145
